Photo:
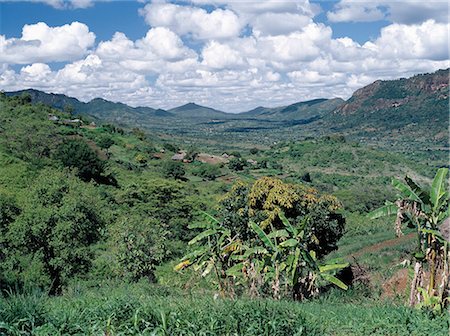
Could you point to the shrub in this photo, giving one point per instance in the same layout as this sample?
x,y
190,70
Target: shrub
x,y
173,169
50,241
254,150
237,164
76,153
207,172
263,201
141,246
262,164
105,141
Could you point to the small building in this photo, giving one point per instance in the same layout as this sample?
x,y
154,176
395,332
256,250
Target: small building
x,y
72,122
52,117
179,156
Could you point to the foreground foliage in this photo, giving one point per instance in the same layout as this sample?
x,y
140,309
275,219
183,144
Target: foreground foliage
x,y
278,255
148,310
424,210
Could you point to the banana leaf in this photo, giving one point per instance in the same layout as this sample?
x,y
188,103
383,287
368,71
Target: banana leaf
x,y
420,192
235,270
262,235
278,234
289,243
386,210
332,267
405,190
202,235
287,224
334,280
437,187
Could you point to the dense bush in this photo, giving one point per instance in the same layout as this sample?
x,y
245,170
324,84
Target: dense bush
x,y
105,141
263,201
173,169
75,153
141,246
165,206
25,131
237,164
207,171
51,240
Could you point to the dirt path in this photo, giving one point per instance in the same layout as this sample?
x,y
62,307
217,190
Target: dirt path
x,y
387,243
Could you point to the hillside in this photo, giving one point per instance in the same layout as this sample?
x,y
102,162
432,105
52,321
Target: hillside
x,y
98,108
99,216
194,111
413,109
302,110
405,114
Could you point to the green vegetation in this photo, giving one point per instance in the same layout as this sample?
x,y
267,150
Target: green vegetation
x,y
404,115
173,169
138,309
77,154
425,211
93,219
207,171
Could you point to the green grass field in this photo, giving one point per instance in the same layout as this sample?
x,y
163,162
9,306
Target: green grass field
x,y
139,309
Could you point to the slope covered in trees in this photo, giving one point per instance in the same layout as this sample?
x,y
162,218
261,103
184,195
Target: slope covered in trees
x,y
99,216
391,113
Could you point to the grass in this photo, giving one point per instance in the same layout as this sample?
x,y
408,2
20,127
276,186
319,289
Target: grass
x,y
142,309
148,311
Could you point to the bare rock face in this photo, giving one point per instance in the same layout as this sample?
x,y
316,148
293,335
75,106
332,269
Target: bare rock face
x,y
445,229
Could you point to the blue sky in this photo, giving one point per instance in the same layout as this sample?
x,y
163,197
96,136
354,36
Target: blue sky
x,y
125,18
230,55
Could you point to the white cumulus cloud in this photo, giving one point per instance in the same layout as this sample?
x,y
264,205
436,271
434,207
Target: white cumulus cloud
x,y
424,41
219,56
41,43
197,22
399,11
231,57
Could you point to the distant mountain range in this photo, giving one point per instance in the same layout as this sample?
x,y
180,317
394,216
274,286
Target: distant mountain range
x,y
403,108
107,110
192,110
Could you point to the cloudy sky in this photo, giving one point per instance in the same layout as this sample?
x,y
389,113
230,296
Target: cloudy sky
x,y
230,55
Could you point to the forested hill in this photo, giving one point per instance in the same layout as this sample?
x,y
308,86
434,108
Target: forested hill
x,y
305,109
97,108
393,113
415,108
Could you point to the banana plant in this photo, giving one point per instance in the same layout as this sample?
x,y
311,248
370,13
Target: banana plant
x,y
425,210
274,257
286,259
210,254
325,271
